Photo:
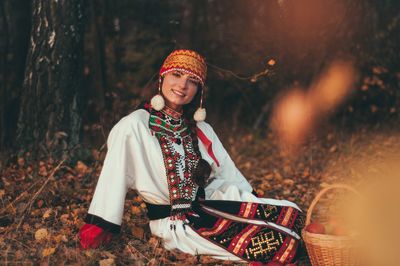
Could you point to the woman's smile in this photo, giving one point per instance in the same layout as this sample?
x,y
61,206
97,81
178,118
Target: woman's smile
x,y
178,93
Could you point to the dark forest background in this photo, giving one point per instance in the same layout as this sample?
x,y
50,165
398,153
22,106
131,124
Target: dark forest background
x,y
70,69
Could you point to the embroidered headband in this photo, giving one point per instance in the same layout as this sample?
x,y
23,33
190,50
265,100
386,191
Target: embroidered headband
x,y
187,61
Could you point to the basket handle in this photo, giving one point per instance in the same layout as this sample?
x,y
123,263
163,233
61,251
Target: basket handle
x,y
322,192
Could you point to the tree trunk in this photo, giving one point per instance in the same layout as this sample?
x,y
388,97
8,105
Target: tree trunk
x,y
3,77
98,61
15,25
49,123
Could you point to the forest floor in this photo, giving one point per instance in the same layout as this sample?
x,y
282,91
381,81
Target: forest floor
x,y
43,204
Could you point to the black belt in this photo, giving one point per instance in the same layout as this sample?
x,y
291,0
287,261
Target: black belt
x,y
155,212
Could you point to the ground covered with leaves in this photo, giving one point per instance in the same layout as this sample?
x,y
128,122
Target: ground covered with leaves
x,y
43,204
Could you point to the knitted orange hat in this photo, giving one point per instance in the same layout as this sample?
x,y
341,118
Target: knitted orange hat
x,y
187,61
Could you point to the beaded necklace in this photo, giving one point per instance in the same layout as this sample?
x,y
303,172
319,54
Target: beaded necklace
x,y
182,190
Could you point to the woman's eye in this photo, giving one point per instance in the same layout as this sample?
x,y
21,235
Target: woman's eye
x,y
194,81
176,74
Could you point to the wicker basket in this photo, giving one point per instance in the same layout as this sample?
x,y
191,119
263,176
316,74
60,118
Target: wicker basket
x,y
329,249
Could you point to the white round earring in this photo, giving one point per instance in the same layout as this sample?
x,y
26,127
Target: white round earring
x,y
200,114
158,102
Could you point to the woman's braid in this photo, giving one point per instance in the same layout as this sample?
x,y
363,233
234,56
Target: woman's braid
x,y
203,170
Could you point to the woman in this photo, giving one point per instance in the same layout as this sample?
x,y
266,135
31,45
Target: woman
x,y
197,200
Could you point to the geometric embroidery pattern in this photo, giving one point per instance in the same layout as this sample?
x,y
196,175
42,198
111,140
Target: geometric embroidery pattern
x,y
264,243
246,240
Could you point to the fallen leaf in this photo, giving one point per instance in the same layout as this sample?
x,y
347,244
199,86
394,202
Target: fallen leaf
x,y
154,241
246,165
333,149
64,218
29,169
138,232
271,62
57,238
137,199
265,186
109,254
26,227
36,212
96,154
47,213
82,168
306,172
153,262
79,223
136,210
107,262
181,256
43,171
277,175
208,260
269,176
48,251
18,255
89,253
260,192
288,182
41,234
40,203
134,253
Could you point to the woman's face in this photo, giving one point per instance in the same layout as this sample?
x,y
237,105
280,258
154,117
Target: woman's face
x,y
179,88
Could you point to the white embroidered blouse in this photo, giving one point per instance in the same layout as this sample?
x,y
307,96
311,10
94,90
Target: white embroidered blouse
x,y
134,161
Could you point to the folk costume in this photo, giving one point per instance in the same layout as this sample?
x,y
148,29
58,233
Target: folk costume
x,y
156,153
